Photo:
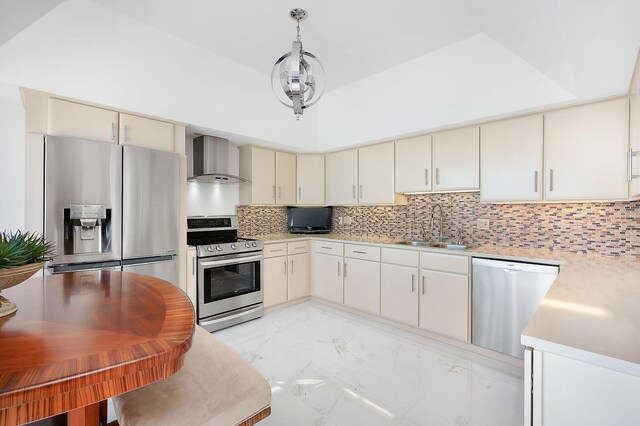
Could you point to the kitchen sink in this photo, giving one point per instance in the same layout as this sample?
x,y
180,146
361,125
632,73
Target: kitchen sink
x,y
449,246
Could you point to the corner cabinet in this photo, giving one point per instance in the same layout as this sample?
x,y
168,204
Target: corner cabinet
x,y
511,160
341,177
585,152
272,176
310,179
82,121
456,160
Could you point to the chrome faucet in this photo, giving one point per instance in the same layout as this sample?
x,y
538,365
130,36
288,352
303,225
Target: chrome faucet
x,y
433,212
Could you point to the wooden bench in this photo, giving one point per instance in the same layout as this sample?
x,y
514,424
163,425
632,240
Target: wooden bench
x,y
214,387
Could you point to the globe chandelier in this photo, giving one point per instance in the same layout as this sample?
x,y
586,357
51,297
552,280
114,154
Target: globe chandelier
x,y
297,78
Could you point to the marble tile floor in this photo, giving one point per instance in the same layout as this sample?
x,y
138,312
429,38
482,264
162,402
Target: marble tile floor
x,y
330,367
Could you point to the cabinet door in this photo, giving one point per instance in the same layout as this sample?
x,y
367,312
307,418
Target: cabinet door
x,y
444,303
82,121
146,133
362,285
342,177
191,281
298,276
511,160
285,178
275,281
413,164
634,135
399,293
310,179
456,159
585,152
327,277
376,167
259,166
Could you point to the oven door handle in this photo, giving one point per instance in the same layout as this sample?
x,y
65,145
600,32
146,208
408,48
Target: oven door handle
x,y
233,261
240,314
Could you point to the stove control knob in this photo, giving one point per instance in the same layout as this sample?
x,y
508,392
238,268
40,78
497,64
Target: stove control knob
x,y
247,245
255,244
219,247
233,246
210,248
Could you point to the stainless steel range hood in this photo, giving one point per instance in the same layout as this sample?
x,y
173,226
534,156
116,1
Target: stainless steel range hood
x,y
212,161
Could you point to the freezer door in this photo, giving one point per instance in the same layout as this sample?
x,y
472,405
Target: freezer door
x,y
164,269
504,297
82,174
150,203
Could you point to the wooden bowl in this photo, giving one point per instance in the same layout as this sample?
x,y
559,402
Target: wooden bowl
x,y
14,276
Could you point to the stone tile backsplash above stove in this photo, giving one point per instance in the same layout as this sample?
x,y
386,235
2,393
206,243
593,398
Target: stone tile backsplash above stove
x,y
611,228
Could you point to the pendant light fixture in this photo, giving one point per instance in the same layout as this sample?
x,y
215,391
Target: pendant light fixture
x,y
297,78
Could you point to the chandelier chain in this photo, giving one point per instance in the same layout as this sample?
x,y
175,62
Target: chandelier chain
x,y
298,29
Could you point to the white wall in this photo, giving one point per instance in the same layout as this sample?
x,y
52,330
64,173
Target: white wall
x,y
85,51
470,80
207,199
12,159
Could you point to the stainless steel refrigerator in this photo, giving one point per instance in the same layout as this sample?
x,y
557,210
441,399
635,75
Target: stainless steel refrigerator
x,y
111,206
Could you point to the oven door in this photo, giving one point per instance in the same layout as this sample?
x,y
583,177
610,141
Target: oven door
x,y
230,282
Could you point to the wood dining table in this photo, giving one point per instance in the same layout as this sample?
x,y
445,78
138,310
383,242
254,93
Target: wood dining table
x,y
80,338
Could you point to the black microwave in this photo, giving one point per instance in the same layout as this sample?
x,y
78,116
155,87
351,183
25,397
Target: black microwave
x,y
309,220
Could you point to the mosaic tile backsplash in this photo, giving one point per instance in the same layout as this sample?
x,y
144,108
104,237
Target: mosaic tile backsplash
x,y
611,228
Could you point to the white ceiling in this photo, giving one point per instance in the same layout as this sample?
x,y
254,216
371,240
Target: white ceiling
x,y
358,38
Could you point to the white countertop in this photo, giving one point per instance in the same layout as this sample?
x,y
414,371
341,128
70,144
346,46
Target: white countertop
x,y
591,313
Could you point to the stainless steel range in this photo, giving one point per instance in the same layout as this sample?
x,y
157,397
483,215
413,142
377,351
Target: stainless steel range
x,y
230,289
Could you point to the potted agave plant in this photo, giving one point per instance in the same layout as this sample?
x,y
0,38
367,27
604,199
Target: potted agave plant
x,y
22,254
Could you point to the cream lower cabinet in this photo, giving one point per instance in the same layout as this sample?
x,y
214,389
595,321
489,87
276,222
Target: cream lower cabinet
x,y
341,178
326,266
146,132
275,280
298,276
456,159
413,164
286,272
310,179
585,152
362,278
444,295
399,293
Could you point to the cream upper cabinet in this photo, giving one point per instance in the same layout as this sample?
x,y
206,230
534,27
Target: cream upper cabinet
x,y
327,282
413,164
456,159
444,303
399,293
341,177
511,160
259,166
585,152
298,276
362,285
376,174
285,178
275,280
310,179
146,133
83,121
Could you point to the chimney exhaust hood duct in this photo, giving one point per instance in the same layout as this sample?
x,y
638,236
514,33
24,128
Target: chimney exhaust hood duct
x,y
212,160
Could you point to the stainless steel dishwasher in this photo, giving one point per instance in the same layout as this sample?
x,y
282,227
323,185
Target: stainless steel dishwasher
x,y
505,295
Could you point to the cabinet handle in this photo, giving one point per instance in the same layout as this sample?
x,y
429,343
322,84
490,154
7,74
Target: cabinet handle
x,y
275,250
354,191
413,283
126,132
550,179
113,131
629,165
360,252
291,270
426,177
423,284
274,191
193,266
325,247
299,194
437,176
285,267
535,181
360,192
279,192
339,267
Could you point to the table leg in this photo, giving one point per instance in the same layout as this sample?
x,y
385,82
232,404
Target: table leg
x,y
84,416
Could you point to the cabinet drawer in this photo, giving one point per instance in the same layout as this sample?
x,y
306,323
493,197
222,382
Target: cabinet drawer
x,y
328,247
401,257
445,263
273,250
362,252
298,247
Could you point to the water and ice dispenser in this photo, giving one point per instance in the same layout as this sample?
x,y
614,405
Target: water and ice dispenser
x,y
87,229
